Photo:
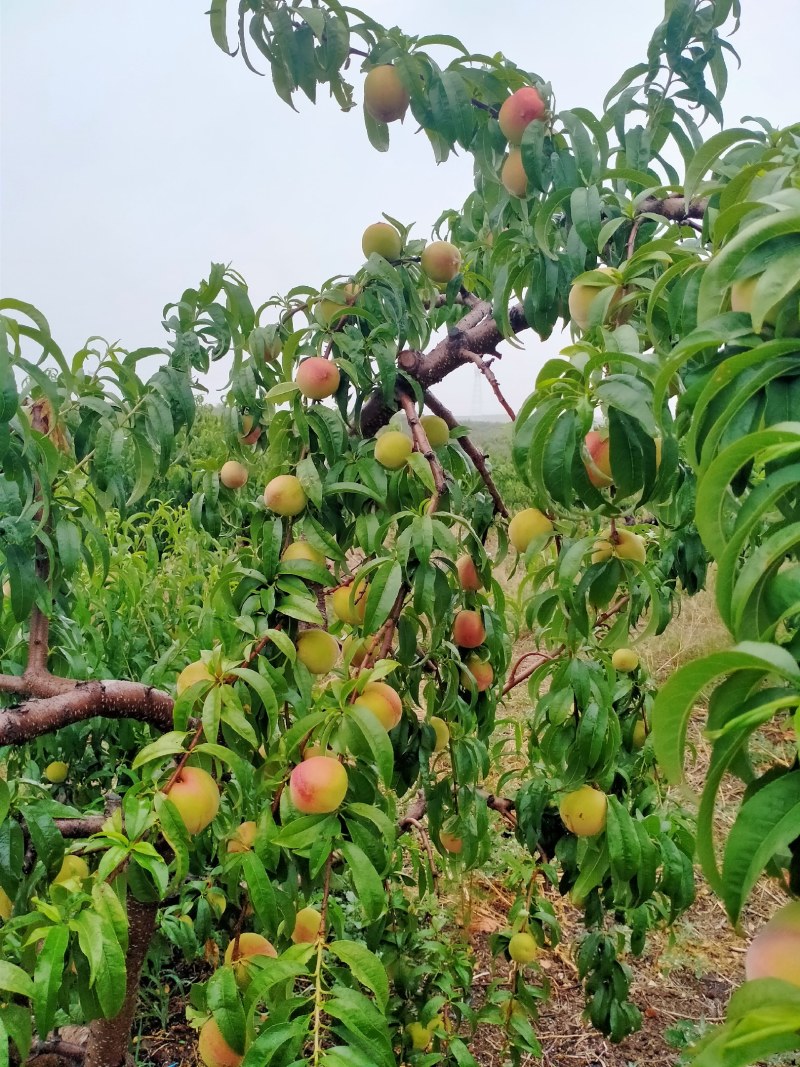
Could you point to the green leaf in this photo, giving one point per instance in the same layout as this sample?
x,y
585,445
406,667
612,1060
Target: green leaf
x,y
376,738
99,944
366,880
48,978
222,998
365,967
624,849
177,837
705,157
384,588
259,887
217,15
14,980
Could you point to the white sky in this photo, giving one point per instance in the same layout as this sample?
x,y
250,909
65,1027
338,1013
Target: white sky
x,y
133,152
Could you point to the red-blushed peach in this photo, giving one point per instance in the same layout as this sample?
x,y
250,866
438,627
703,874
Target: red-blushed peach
x,y
598,459
306,926
318,785
196,796
214,1050
450,842
468,629
583,811
240,952
518,111
317,378
285,495
233,474
477,672
384,703
386,99
383,239
775,950
441,261
468,576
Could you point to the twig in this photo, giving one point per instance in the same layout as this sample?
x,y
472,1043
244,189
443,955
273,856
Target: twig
x,y
474,454
426,843
488,374
423,445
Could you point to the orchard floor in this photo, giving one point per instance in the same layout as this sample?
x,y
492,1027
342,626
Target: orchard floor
x,y
683,981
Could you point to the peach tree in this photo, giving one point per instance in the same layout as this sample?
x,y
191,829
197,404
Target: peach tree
x,y
253,694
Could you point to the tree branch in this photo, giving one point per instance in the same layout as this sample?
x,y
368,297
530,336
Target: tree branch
x,y
477,457
488,374
423,445
673,208
83,700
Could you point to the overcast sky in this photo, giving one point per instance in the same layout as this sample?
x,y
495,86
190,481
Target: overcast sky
x,y
133,152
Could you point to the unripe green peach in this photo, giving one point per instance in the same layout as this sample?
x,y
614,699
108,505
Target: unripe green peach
x,y
196,796
214,1050
331,305
436,430
513,174
191,675
522,948
624,544
442,731
477,672
383,239
468,574
6,905
581,297
518,111
624,659
243,837
639,734
302,550
450,842
441,261
775,950
392,449
285,495
420,1036
56,772
318,650
233,474
468,629
350,603
385,96
583,811
306,926
317,378
318,785
217,901
598,461
526,525
72,867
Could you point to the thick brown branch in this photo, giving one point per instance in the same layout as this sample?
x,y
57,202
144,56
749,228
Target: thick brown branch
x,y
111,699
423,446
673,208
488,374
474,453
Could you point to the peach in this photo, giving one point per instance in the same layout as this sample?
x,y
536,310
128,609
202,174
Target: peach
x,y
241,951
285,495
392,449
233,474
354,650
598,463
317,378
436,430
243,837
639,734
513,174
442,731
250,430
522,948
583,811
383,239
318,785
350,603
6,905
441,261
56,772
306,926
318,650
420,1036
302,550
72,868
526,525
218,902
265,342
775,950
384,703
386,99
624,659
477,672
581,297
450,842
196,796
468,629
191,675
742,299
214,1050
331,305
518,111
468,574
624,544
